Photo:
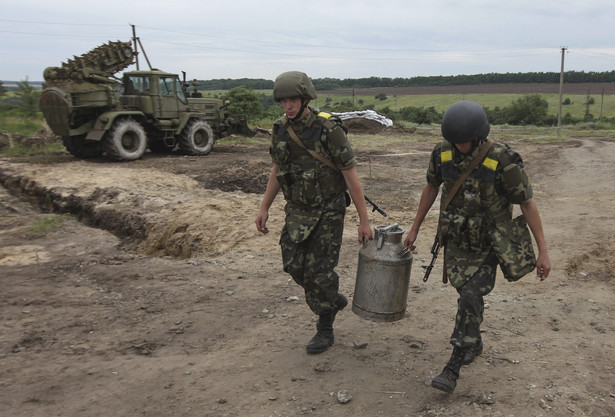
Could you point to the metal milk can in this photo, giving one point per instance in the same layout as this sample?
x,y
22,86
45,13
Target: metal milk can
x,y
383,276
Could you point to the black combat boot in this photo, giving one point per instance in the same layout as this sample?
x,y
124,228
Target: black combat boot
x,y
324,335
472,353
447,380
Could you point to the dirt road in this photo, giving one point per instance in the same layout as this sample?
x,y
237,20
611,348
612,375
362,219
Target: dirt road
x,y
159,298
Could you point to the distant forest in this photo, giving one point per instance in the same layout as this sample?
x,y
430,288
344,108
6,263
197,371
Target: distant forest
x,y
431,81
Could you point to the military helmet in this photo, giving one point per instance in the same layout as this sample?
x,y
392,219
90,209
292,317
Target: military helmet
x,y
293,84
465,121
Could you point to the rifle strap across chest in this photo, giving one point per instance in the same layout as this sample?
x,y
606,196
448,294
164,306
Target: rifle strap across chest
x,y
315,154
466,173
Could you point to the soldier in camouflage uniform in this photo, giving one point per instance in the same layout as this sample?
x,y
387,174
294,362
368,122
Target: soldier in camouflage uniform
x,y
315,187
483,202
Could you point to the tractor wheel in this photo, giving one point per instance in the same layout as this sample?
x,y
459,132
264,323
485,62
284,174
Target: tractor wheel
x,y
125,141
81,148
197,138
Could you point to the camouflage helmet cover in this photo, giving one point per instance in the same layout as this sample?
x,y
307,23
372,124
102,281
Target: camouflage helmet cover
x,y
293,84
465,121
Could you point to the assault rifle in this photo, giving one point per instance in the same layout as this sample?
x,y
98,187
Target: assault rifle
x,y
435,248
375,206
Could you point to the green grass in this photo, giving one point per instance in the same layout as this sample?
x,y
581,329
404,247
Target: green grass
x,y
47,225
441,102
21,125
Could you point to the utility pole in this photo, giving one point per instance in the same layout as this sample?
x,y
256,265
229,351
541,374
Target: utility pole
x,y
561,89
601,104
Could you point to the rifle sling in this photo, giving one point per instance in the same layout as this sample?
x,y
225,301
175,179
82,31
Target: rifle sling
x,y
315,154
466,173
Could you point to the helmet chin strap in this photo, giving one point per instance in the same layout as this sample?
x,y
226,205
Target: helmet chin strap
x,y
304,104
476,142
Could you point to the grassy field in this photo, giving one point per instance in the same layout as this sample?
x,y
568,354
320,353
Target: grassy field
x,y
21,125
603,106
441,102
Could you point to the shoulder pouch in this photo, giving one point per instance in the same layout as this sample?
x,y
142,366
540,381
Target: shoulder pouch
x,y
512,244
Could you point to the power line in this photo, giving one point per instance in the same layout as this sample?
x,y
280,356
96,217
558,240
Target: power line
x,y
321,46
292,49
523,52
431,54
61,23
593,53
50,34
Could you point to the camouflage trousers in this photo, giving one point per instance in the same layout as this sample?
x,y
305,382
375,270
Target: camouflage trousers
x,y
470,305
311,262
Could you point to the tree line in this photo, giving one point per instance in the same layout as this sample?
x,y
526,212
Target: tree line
x,y
423,81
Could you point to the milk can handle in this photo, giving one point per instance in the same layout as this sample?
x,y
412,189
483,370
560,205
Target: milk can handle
x,y
382,232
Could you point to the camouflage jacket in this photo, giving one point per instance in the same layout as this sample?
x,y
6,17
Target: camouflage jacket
x,y
312,189
483,201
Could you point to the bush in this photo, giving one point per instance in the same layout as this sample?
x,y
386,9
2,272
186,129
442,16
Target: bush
x,y
531,109
244,101
420,115
29,98
497,116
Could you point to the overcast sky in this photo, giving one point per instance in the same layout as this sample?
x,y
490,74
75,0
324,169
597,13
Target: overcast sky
x,y
332,38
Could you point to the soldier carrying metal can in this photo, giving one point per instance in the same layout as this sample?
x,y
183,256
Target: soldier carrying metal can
x,y
314,166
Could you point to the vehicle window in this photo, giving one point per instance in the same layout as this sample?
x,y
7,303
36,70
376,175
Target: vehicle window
x,y
180,91
166,86
136,84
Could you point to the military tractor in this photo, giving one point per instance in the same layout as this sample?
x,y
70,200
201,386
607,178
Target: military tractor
x,y
94,112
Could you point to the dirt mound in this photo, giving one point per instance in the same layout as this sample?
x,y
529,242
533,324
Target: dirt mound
x,y
242,176
365,126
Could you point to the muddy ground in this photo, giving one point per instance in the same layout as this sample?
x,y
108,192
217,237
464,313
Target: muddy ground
x,y
151,293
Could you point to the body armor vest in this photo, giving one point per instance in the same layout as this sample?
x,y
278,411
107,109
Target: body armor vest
x,y
480,204
303,179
